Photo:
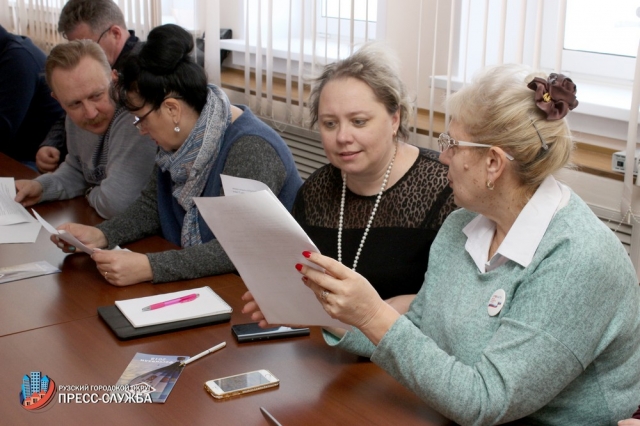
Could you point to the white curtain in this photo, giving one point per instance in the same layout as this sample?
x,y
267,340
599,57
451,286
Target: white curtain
x,y
38,19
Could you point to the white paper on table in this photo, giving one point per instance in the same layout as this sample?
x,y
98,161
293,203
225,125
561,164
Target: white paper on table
x,y
26,270
16,224
65,236
264,242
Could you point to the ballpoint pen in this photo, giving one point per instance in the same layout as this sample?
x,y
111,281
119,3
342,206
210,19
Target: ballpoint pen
x,y
183,299
201,354
270,419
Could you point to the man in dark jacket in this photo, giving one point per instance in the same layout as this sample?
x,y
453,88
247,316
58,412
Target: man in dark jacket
x,y
27,110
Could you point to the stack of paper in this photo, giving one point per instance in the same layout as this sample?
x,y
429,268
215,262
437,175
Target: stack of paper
x,y
207,303
16,224
26,270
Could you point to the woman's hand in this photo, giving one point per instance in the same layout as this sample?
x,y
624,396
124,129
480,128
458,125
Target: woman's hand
x,y
348,296
251,307
123,267
256,315
629,422
90,236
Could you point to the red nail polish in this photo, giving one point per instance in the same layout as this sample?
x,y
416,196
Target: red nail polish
x,y
306,254
305,279
298,266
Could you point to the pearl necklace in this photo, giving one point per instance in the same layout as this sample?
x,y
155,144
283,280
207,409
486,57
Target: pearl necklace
x,y
373,212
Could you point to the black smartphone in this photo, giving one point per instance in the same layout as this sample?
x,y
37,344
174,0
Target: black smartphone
x,y
251,332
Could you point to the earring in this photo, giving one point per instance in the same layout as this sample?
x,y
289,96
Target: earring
x,y
490,185
176,129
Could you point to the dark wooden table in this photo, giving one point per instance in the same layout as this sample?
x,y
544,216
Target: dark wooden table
x,y
50,324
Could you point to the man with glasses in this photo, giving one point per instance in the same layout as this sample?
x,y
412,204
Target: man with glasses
x,y
109,160
103,22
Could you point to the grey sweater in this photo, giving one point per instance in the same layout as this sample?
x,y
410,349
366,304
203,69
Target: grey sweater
x,y
115,171
564,350
250,157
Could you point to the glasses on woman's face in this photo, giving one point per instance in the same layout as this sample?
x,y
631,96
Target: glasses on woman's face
x,y
445,142
138,120
103,33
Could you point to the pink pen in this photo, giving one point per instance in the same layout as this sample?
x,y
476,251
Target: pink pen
x,y
183,299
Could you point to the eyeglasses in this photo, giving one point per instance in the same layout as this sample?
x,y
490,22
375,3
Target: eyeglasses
x,y
138,120
445,142
103,33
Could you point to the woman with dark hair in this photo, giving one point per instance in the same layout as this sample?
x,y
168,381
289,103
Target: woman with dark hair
x,y
200,136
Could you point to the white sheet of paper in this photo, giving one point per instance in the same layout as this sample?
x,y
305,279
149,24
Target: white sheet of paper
x,y
233,185
16,224
264,242
26,270
65,236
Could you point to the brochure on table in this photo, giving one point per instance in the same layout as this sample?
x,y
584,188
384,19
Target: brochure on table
x,y
154,375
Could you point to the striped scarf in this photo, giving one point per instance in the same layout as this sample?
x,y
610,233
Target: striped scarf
x,y
191,164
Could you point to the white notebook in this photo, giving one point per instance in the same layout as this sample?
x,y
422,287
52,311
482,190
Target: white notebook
x,y
206,304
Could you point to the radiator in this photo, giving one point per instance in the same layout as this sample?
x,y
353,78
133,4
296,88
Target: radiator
x,y
304,144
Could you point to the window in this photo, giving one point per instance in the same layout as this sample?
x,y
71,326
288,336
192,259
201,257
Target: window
x,y
180,12
364,10
609,51
334,19
617,27
597,49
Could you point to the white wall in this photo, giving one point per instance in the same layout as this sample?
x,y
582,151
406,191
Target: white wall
x,y
402,27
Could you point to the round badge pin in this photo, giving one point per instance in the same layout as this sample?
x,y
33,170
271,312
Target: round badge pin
x,y
498,298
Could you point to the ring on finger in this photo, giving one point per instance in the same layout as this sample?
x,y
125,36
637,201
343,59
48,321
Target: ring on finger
x,y
105,274
324,295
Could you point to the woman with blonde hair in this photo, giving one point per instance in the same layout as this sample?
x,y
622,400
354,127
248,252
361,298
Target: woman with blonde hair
x,y
530,307
380,202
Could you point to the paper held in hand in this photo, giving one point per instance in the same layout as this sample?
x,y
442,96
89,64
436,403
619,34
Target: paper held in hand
x,y
207,303
264,242
65,236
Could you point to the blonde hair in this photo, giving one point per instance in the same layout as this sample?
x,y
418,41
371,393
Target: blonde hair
x,y
374,65
67,56
498,109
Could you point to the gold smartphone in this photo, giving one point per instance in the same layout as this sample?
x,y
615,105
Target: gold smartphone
x,y
241,384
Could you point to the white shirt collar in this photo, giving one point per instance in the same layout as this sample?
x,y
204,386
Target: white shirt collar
x,y
522,240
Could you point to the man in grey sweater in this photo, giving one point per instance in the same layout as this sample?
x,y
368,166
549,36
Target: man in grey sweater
x,y
108,161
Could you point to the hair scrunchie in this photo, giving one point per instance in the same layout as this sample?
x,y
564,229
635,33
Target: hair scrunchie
x,y
556,96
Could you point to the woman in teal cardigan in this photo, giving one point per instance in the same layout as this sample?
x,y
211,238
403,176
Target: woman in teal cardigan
x,y
530,308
